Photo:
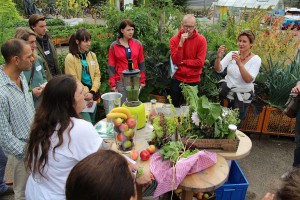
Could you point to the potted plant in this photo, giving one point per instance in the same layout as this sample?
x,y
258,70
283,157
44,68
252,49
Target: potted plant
x,y
205,126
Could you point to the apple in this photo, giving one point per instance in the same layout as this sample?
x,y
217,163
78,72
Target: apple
x,y
206,195
131,122
121,137
123,127
199,195
134,155
126,144
129,133
118,121
145,155
151,149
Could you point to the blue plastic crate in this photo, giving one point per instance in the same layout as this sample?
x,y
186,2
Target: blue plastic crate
x,y
236,186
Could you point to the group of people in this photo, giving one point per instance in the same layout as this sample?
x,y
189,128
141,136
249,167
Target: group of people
x,y
43,125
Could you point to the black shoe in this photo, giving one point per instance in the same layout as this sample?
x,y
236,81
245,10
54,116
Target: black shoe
x,y
9,191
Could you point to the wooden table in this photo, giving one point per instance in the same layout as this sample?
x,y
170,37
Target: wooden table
x,y
204,181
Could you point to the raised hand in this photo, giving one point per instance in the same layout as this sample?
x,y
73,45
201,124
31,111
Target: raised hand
x,y
184,36
221,51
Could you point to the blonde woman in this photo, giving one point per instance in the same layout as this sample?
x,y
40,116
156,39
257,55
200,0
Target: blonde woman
x,y
36,77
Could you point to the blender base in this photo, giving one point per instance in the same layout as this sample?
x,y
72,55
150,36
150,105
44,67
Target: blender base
x,y
137,109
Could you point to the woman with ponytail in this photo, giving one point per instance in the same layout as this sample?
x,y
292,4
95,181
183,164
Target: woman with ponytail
x,y
83,65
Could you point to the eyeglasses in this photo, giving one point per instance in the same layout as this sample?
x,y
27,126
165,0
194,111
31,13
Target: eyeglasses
x,y
188,26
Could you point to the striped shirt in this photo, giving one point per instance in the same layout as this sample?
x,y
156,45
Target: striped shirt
x,y
16,115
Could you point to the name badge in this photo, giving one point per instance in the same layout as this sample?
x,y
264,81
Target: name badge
x,y
47,52
93,62
38,68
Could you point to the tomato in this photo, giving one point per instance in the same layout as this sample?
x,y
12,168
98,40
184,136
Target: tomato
x,y
145,155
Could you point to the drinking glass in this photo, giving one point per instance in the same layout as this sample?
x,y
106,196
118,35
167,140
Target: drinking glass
x,y
125,134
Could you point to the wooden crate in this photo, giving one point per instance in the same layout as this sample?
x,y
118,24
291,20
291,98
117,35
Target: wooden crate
x,y
253,122
276,122
62,40
224,144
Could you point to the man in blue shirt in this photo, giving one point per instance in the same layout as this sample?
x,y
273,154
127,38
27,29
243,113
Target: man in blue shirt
x,y
16,105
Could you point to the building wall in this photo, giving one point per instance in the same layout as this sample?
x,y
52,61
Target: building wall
x,y
200,3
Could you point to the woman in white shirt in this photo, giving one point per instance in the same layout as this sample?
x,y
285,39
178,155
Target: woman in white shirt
x,y
242,68
59,139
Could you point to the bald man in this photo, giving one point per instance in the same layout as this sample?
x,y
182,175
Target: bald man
x,y
188,52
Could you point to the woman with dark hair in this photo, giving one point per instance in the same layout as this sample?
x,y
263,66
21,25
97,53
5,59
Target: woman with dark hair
x,y
59,139
120,51
104,175
83,65
242,68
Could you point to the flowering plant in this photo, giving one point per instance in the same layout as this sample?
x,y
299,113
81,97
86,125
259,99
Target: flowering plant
x,y
208,120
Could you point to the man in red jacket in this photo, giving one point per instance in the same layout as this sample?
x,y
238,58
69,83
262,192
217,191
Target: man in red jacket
x,y
188,52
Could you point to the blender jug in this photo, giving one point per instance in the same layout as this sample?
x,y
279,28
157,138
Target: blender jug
x,y
131,81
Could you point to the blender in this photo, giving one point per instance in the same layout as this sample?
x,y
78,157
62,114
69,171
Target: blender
x,y
131,81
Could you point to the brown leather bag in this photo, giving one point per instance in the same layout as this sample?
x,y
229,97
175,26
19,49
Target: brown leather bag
x,y
291,106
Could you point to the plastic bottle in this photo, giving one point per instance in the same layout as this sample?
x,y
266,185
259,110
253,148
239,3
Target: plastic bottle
x,y
153,111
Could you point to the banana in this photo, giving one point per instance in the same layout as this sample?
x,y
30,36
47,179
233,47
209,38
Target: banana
x,y
116,115
123,110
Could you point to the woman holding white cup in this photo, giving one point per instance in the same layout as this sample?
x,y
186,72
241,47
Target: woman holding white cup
x,y
242,68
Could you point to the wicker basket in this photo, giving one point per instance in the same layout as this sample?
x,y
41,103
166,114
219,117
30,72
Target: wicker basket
x,y
276,122
253,122
224,144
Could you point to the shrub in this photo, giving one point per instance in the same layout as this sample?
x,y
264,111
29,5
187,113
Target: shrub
x,y
278,79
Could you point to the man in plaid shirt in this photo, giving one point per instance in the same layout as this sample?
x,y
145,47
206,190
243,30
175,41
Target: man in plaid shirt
x,y
16,107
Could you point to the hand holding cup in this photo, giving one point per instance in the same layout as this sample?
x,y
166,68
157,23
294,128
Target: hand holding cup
x,y
221,51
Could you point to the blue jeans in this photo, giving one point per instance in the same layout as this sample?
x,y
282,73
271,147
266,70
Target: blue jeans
x,y
3,161
297,141
176,91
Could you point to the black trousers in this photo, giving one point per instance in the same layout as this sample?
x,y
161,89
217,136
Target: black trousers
x,y
297,141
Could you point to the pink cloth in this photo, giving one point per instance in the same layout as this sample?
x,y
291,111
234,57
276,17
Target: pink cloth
x,y
163,170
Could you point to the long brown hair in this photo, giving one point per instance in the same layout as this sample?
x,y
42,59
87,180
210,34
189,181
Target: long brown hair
x,y
53,115
103,175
